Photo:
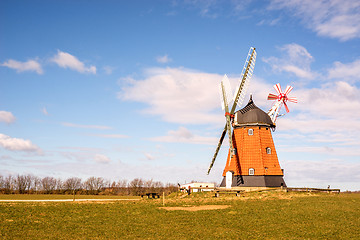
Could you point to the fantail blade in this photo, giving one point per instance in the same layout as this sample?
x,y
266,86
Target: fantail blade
x,y
288,90
292,99
272,96
286,107
277,87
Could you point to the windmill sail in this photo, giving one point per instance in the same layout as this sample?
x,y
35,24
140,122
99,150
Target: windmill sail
x,y
239,96
217,148
246,75
225,92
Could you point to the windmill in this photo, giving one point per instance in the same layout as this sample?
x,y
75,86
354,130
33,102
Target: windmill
x,y
252,159
239,96
280,99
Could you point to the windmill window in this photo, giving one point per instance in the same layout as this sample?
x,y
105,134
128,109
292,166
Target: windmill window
x,y
251,132
268,150
251,171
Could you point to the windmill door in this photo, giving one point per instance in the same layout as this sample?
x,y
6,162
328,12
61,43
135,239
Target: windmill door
x,y
229,177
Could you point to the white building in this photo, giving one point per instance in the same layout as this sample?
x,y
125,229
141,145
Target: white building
x,y
197,187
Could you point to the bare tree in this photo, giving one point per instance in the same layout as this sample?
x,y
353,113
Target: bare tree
x,y
148,184
48,184
119,187
2,184
22,183
158,184
122,183
123,187
169,188
36,183
153,186
29,179
9,184
136,186
94,184
158,187
72,184
18,183
59,185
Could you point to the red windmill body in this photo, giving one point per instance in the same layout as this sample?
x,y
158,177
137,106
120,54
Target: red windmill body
x,y
255,163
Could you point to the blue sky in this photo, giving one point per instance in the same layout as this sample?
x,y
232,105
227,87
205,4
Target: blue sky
x,y
126,89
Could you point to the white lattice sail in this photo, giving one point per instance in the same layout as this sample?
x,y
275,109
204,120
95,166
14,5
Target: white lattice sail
x,y
225,91
247,71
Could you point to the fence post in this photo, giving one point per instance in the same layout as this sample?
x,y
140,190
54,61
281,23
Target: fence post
x,y
163,198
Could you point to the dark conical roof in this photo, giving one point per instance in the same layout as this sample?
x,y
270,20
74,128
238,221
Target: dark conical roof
x,y
252,115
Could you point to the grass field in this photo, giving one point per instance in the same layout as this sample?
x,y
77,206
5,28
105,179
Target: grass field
x,y
271,215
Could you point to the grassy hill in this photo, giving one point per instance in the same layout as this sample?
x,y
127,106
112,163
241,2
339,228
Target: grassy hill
x,y
268,215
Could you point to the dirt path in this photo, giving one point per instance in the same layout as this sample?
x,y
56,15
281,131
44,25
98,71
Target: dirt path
x,y
196,208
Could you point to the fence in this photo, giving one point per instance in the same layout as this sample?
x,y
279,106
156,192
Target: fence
x,y
328,190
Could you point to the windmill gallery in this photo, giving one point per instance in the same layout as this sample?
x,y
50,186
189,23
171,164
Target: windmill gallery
x,y
252,160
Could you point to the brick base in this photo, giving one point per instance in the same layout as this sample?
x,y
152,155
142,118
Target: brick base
x,y
255,181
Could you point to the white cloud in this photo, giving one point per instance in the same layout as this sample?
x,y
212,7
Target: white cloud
x,y
177,95
187,96
330,104
296,60
66,60
44,111
333,100
272,22
66,124
325,121
30,65
7,117
334,172
217,8
163,59
100,158
110,135
149,156
183,135
350,71
81,154
328,109
323,150
207,8
17,144
108,70
334,18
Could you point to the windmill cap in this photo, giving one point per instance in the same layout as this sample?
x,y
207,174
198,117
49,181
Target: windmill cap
x,y
252,115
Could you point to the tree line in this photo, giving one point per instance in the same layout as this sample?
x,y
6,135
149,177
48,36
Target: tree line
x,y
30,184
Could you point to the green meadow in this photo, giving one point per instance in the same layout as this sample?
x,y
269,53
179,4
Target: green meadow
x,y
267,215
